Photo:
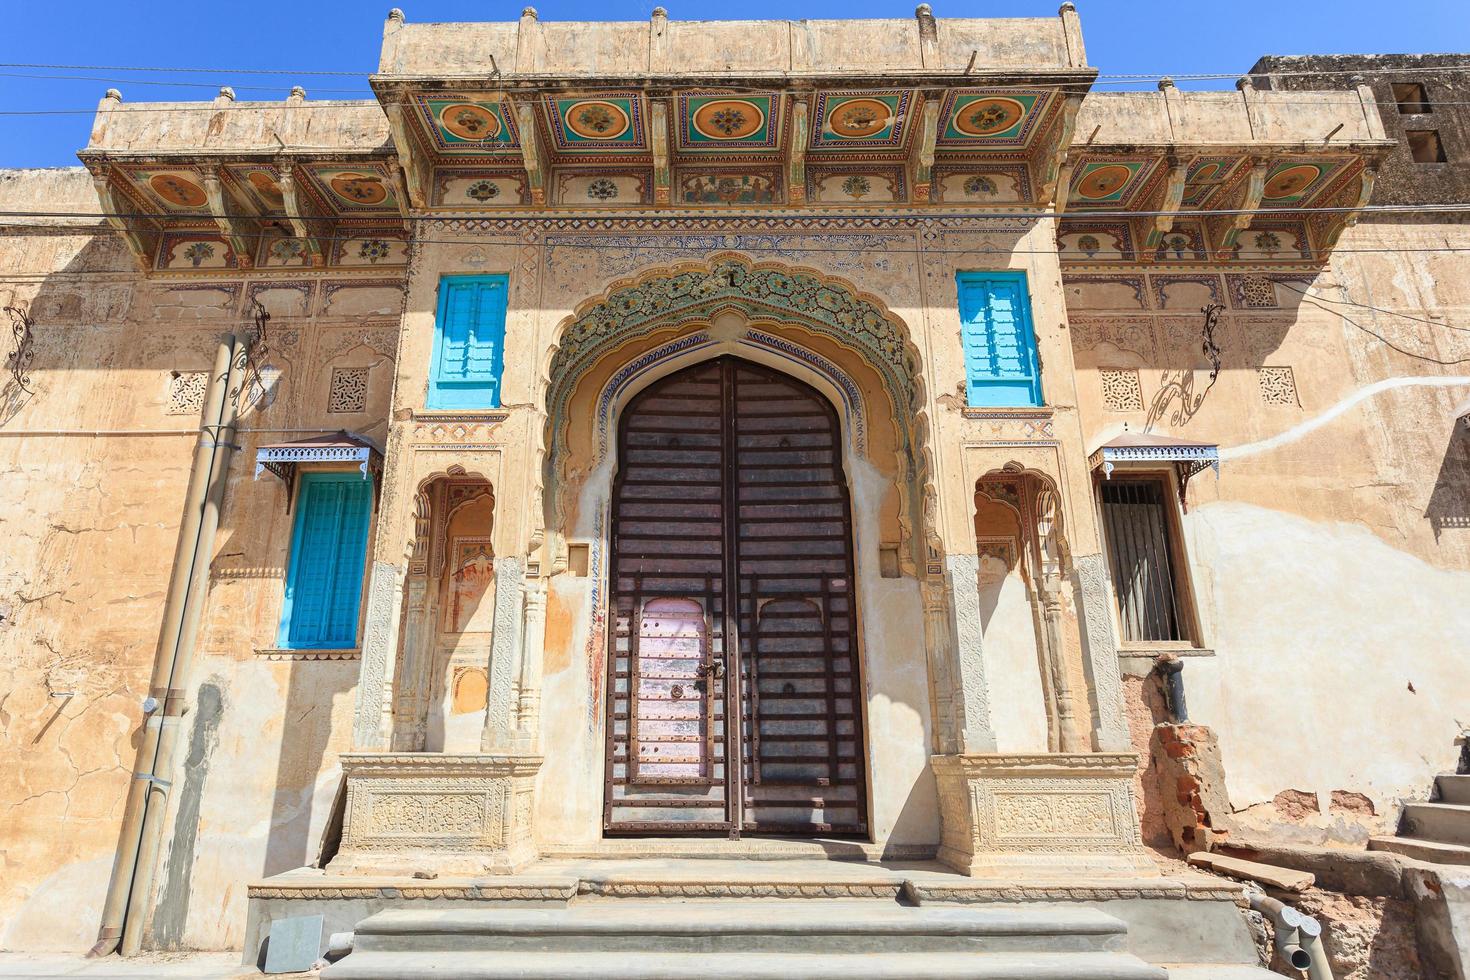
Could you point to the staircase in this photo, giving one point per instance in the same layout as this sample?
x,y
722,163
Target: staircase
x,y
1437,831
631,939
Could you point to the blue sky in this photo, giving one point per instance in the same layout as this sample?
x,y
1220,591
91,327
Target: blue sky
x,y
1123,36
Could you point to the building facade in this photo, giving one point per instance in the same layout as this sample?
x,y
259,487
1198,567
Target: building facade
x,y
619,401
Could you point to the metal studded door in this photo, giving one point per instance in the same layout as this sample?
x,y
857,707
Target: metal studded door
x,y
730,484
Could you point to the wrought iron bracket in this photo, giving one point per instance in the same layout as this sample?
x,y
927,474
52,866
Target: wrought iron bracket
x,y
18,363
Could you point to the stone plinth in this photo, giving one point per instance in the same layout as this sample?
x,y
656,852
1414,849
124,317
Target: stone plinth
x,y
1040,813
448,814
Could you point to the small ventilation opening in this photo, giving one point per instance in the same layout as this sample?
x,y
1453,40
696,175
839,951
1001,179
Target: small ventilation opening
x,y
1425,147
1411,98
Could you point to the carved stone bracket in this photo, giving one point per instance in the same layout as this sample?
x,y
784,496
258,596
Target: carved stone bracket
x,y
1035,814
451,814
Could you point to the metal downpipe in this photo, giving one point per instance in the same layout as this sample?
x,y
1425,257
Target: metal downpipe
x,y
164,690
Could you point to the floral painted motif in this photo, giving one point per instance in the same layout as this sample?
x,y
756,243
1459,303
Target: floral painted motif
x,y
596,118
988,117
1267,241
1177,244
978,185
1089,244
483,190
856,186
471,122
288,249
198,252
728,121
602,189
373,249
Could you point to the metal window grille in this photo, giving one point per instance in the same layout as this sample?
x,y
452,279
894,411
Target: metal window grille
x,y
1143,560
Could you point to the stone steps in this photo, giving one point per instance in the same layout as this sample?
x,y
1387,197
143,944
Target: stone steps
x,y
1446,823
758,939
745,966
1453,788
1434,852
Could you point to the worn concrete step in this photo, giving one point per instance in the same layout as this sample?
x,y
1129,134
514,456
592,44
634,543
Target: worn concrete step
x,y
1453,788
792,926
1435,852
1220,971
1447,823
746,966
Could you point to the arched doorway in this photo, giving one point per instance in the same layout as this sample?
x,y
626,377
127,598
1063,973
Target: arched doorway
x,y
731,584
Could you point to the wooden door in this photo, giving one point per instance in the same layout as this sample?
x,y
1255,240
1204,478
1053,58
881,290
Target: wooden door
x,y
732,560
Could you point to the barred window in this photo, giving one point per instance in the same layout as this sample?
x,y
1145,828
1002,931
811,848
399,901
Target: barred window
x,y
1145,569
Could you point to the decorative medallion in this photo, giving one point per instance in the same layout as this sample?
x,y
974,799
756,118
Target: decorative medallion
x,y
1104,181
266,187
988,117
177,190
358,188
1291,181
980,185
602,189
470,122
859,118
597,119
483,190
728,119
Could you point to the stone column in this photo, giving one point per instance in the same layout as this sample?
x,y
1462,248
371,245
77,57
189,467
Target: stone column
x,y
371,724
972,695
1068,738
504,650
528,711
1100,656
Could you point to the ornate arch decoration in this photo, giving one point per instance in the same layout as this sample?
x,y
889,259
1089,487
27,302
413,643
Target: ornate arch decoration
x,y
447,491
697,293
1036,499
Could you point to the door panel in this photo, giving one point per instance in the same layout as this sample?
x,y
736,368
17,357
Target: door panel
x,y
731,473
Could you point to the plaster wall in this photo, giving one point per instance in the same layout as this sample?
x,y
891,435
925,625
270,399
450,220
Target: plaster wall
x,y
95,468
1328,559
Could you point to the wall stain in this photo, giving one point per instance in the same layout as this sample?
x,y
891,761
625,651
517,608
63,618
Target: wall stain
x,y
172,912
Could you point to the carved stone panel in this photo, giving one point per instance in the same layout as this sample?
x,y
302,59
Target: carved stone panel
x,y
422,811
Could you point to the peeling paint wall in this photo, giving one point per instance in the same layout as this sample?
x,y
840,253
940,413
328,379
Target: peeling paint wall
x,y
1330,559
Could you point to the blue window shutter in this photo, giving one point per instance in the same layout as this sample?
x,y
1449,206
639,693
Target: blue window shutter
x,y
328,549
1001,368
469,342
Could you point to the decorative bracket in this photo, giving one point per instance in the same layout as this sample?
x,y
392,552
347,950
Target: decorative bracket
x,y
531,154
796,159
414,174
1056,182
241,238
1350,218
142,254
294,214
658,135
18,362
282,459
922,163
1225,229
1173,197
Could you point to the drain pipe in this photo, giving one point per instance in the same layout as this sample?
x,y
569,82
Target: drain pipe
x,y
1298,936
148,790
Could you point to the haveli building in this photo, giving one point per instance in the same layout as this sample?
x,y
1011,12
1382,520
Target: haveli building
x,y
606,403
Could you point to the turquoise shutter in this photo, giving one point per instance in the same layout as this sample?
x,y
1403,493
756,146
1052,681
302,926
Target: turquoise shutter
x,y
324,581
469,343
1000,345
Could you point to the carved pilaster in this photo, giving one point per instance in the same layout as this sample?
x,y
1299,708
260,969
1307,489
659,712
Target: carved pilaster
x,y
973,696
411,689
1100,656
1068,737
528,712
504,654
379,640
938,640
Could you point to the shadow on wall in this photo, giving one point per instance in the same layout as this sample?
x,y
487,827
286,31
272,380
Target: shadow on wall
x,y
1449,502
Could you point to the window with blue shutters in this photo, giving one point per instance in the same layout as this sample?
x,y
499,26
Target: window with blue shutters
x,y
469,342
328,551
1001,366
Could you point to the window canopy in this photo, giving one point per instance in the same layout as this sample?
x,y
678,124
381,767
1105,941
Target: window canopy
x,y
282,458
1187,456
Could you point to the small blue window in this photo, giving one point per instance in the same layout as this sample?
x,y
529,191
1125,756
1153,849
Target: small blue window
x,y
328,551
1001,367
469,343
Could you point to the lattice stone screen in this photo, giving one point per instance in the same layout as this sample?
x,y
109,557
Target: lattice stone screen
x,y
1121,390
1278,386
186,392
348,392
